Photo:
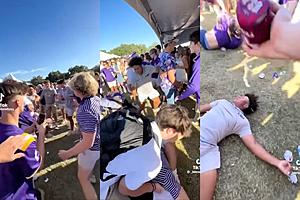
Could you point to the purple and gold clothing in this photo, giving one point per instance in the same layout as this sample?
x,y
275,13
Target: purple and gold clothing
x,y
222,36
16,181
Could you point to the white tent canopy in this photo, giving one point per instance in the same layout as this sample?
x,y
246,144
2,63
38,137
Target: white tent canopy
x,y
11,77
106,56
178,18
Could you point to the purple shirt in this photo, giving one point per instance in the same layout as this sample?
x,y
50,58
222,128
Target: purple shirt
x,y
26,119
221,33
88,118
16,181
108,73
155,62
194,82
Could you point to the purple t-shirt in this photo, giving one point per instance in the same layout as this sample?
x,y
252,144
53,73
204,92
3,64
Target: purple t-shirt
x,y
194,82
108,73
88,118
16,181
26,119
155,62
221,33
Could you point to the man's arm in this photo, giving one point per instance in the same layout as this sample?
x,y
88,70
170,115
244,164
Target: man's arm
x,y
261,153
40,143
171,154
282,41
204,108
194,84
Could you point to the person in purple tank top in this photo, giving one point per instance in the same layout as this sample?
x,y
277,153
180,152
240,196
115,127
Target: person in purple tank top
x,y
225,34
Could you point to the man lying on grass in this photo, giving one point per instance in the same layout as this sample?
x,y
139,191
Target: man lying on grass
x,y
224,118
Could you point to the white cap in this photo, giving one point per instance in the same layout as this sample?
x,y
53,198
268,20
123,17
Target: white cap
x,y
169,38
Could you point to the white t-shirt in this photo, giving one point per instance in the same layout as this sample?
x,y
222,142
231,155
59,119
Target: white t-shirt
x,y
222,120
126,164
146,77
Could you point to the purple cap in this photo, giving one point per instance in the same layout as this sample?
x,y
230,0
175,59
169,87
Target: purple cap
x,y
255,18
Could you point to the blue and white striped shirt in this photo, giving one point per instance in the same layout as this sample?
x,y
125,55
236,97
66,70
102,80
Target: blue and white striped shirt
x,y
88,118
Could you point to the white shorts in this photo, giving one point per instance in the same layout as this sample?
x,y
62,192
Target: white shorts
x,y
209,157
112,84
147,91
88,159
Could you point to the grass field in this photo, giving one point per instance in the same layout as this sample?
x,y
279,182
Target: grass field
x,y
275,124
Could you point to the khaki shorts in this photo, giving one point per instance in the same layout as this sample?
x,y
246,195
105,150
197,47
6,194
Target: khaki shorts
x,y
88,159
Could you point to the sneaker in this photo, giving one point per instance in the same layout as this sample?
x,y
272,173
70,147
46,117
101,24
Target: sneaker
x,y
93,179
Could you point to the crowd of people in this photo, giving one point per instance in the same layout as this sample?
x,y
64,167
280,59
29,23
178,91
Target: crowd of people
x,y
28,116
260,27
163,78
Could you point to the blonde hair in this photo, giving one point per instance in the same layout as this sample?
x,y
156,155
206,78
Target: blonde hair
x,y
84,83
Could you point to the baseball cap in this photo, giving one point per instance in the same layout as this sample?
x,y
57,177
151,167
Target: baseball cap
x,y
256,18
169,38
133,55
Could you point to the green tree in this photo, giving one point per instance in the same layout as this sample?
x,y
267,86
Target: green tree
x,y
77,69
37,80
96,68
126,49
54,76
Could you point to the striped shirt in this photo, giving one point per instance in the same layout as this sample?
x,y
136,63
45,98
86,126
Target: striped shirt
x,y
167,179
88,118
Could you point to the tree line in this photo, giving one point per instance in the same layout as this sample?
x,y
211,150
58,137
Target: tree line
x,y
54,76
127,49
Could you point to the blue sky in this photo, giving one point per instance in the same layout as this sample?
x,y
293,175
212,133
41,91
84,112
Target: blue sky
x,y
38,36
120,23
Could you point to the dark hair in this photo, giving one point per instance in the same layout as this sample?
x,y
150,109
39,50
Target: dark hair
x,y
158,47
148,57
62,81
46,81
142,55
195,36
9,90
174,116
135,61
234,30
253,104
153,51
